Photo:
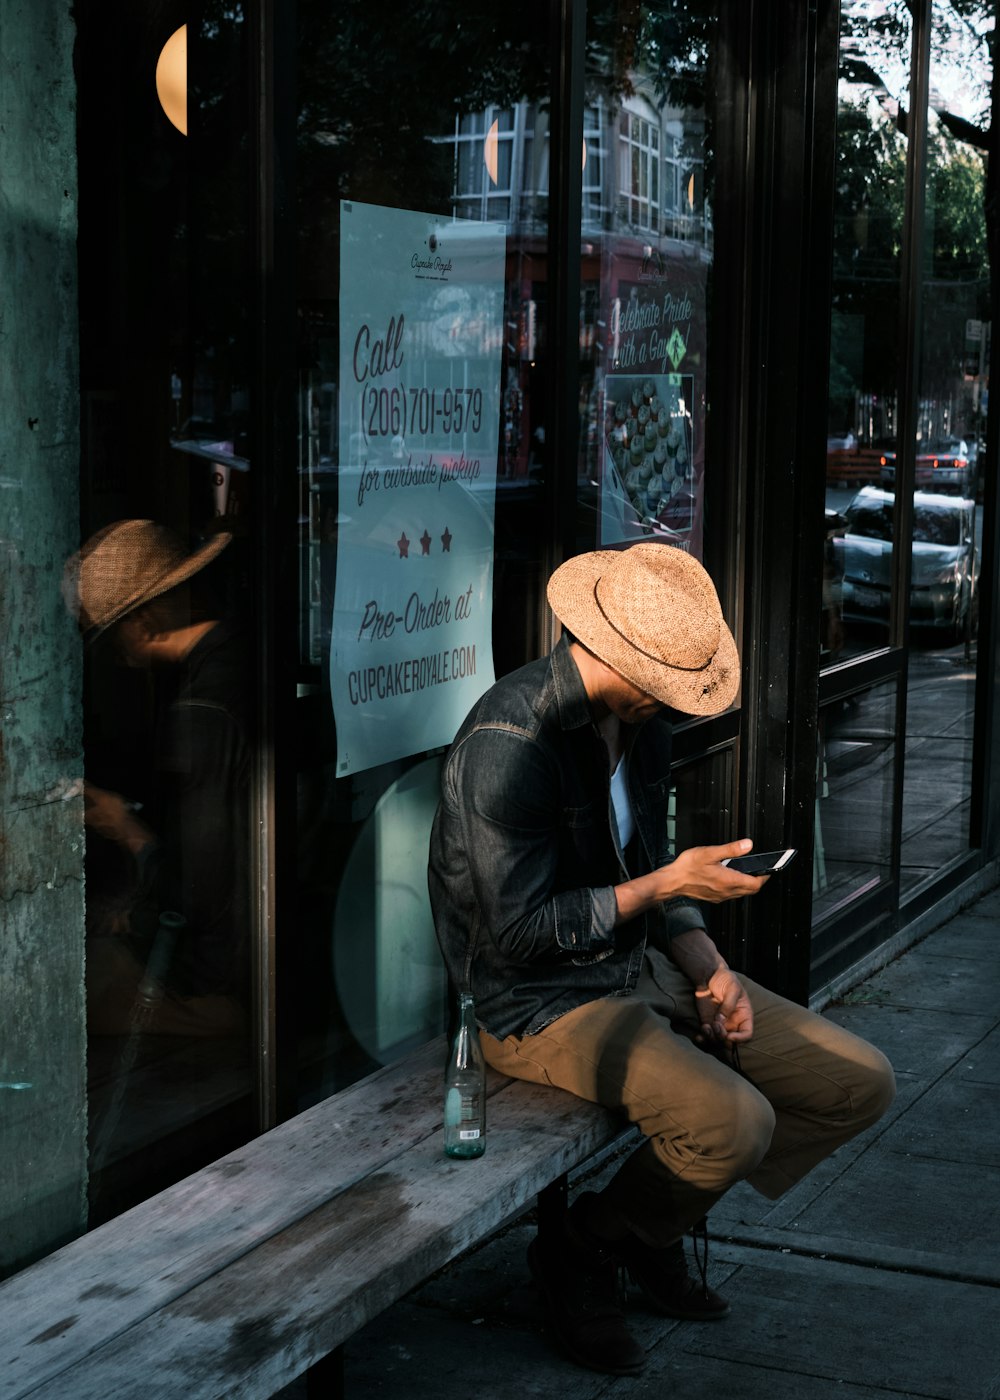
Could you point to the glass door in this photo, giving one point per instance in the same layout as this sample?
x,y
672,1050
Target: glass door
x,y
950,441
910,338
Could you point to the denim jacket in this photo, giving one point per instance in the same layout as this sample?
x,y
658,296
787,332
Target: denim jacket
x,y
524,854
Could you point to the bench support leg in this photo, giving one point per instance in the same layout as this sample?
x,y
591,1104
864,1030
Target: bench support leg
x,y
325,1378
552,1205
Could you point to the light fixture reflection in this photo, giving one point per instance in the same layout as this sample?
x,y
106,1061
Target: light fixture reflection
x,y
491,146
490,152
171,79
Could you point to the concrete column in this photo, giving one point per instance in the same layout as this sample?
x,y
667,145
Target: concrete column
x,y
43,1121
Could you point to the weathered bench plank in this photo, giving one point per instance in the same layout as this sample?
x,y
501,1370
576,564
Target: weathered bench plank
x,y
134,1264
305,1205
250,1330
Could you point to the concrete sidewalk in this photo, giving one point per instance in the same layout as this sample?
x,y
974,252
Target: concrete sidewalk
x,y
879,1275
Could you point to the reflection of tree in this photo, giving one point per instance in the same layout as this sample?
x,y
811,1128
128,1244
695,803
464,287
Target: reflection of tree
x,y
870,192
956,228
962,37
375,82
671,41
672,44
372,87
867,241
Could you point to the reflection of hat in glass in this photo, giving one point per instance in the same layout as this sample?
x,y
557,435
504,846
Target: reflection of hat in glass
x,y
128,564
651,613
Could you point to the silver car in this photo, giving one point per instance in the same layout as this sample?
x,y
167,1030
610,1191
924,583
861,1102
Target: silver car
x,y
945,568
939,466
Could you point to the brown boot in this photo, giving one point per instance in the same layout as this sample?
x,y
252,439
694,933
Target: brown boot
x,y
579,1284
662,1275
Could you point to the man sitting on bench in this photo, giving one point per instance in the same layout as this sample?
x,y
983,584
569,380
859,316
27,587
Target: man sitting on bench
x,y
558,904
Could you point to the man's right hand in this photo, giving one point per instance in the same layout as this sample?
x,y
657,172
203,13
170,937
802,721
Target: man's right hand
x,y
111,816
699,874
696,873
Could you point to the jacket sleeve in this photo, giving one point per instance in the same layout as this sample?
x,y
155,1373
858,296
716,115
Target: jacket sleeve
x,y
505,795
676,916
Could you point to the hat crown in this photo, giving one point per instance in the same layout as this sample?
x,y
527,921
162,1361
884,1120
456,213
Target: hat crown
x,y
127,564
652,614
663,603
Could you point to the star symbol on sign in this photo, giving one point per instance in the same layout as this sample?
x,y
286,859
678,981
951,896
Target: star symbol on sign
x,y
425,542
403,545
446,541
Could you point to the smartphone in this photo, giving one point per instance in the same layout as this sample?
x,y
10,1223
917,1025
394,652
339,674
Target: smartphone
x,y
762,863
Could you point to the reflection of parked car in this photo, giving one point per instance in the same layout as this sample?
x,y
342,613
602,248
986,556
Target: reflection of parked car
x,y
939,466
944,463
887,464
945,569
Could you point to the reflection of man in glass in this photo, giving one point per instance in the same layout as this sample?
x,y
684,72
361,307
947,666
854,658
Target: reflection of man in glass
x,y
135,582
559,904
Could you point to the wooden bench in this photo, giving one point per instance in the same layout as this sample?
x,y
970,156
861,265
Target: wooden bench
x,y
258,1268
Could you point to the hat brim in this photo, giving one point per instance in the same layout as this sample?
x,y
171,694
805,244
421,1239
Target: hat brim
x,y
171,578
705,692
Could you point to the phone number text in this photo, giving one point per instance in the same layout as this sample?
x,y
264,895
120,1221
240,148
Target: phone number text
x,y
394,411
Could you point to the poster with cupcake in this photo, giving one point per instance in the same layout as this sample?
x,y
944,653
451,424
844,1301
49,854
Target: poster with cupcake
x,y
653,396
648,458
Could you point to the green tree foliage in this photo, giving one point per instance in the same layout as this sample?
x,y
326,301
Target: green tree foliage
x,y
870,191
956,223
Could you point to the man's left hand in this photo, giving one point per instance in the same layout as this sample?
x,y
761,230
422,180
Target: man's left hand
x,y
111,816
724,1009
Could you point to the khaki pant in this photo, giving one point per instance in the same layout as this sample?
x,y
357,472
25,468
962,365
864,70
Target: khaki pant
x,y
806,1087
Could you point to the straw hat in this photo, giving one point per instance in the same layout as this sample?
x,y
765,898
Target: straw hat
x,y
128,564
651,613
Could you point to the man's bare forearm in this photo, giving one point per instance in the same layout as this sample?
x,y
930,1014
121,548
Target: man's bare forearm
x,y
696,956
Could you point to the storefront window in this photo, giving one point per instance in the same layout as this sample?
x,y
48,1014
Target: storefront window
x,y
855,778
950,436
163,601
863,406
866,459
644,352
422,299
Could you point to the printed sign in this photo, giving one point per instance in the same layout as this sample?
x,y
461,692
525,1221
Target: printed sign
x,y
421,326
652,431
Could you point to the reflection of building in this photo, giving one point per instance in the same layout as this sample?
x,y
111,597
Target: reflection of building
x,y
643,194
643,169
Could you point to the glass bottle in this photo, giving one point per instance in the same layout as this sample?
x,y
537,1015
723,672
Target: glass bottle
x,y
465,1088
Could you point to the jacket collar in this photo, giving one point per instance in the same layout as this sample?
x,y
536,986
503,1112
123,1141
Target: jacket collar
x,y
571,696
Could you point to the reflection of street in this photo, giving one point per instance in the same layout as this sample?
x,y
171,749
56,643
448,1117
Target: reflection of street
x,y
858,569
854,802
938,763
855,779
852,850
838,498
